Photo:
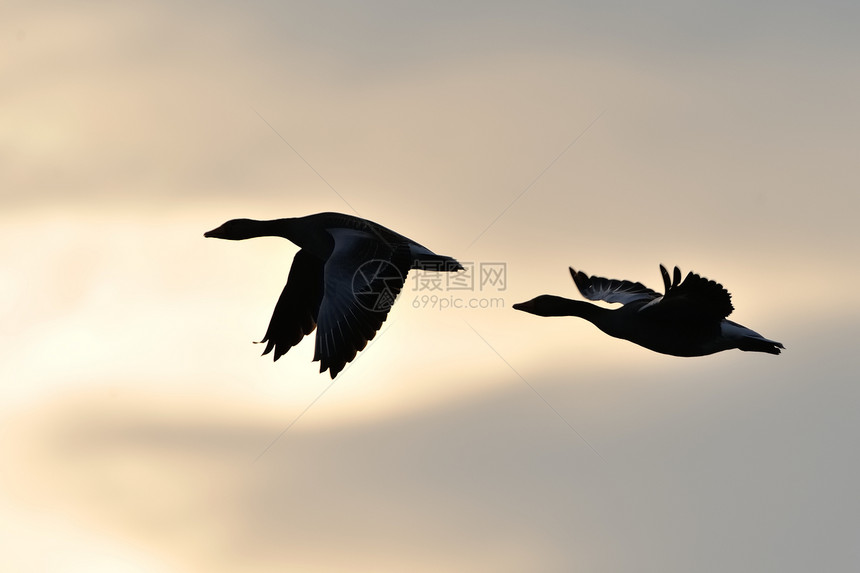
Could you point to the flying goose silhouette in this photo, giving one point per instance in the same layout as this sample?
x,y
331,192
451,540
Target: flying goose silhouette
x,y
688,320
343,281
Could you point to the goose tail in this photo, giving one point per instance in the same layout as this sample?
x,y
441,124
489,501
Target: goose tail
x,y
753,344
749,340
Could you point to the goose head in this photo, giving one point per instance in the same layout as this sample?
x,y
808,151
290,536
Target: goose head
x,y
543,305
235,230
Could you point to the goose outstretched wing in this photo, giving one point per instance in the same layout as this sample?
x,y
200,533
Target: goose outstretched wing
x,y
611,290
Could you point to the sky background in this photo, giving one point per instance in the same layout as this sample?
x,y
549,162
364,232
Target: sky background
x,y
141,429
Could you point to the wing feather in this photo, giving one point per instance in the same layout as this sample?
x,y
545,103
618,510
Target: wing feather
x,y
295,314
362,278
611,290
694,299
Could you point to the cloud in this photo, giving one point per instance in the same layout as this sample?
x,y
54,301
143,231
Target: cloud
x,y
738,460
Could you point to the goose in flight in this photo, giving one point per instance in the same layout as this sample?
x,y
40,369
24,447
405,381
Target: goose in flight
x,y
688,320
343,281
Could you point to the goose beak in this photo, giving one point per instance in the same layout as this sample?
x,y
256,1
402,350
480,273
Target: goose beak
x,y
527,306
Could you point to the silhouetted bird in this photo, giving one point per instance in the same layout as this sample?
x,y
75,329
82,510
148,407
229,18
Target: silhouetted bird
x,y
343,281
689,320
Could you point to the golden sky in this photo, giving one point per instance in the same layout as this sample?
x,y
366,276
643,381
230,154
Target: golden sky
x,y
142,431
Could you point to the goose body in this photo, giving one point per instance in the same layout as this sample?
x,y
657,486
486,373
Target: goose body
x,y
689,319
342,282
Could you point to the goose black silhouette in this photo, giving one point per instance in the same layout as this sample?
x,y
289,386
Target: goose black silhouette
x,y
343,281
688,320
